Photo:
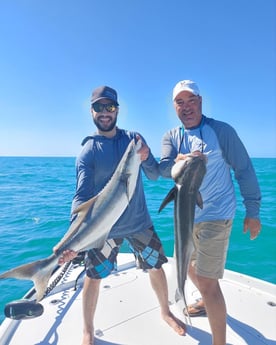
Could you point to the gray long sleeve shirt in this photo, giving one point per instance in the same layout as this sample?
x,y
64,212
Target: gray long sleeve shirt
x,y
224,151
94,167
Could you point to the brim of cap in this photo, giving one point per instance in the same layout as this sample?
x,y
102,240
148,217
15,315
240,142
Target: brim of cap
x,y
97,99
186,89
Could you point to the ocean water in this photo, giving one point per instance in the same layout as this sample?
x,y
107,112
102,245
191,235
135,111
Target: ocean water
x,y
35,201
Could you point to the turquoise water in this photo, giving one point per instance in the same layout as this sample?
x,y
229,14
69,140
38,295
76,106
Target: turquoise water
x,y
35,201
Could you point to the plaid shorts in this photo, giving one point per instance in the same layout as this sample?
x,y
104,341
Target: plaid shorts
x,y
146,247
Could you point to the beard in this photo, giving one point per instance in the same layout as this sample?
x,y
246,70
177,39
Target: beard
x,y
105,127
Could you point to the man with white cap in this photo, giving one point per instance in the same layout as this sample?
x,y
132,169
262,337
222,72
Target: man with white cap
x,y
220,144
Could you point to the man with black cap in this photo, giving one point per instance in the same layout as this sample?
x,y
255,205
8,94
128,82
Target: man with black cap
x,y
219,143
96,163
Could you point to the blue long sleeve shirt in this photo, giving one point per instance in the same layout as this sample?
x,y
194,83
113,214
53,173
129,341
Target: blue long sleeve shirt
x,y
224,151
94,167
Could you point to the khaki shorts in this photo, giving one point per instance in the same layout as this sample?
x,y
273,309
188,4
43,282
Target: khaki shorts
x,y
211,241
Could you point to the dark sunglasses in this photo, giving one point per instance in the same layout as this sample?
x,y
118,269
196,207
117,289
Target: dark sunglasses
x,y
99,107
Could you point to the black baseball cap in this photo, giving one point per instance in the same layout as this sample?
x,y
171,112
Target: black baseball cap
x,y
104,92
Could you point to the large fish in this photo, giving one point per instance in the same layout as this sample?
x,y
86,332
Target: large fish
x,y
93,222
188,175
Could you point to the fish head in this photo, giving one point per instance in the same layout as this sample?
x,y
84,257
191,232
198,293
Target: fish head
x,y
190,170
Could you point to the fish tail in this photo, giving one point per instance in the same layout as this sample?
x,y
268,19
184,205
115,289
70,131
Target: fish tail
x,y
178,297
38,271
189,319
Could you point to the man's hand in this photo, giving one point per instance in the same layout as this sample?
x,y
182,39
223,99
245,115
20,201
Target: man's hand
x,y
253,225
67,256
182,156
144,150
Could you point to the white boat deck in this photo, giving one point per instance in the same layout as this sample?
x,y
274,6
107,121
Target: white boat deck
x,y
128,313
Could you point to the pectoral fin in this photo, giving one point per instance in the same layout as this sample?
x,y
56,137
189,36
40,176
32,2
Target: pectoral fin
x,y
170,197
81,212
199,200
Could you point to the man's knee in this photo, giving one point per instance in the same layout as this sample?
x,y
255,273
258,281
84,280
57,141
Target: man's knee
x,y
207,285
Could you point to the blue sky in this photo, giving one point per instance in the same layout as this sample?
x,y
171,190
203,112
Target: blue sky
x,y
54,52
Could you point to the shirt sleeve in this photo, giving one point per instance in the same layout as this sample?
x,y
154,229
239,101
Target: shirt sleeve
x,y
150,165
168,155
236,156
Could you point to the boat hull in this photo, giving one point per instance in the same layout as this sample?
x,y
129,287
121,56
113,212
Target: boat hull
x,y
128,312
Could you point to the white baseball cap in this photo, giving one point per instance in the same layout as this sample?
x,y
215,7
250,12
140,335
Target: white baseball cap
x,y
185,85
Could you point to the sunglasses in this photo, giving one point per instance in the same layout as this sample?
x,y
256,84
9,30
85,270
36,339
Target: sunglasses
x,y
99,107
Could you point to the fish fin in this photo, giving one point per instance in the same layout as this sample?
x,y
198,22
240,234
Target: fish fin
x,y
170,197
38,271
85,206
81,212
127,188
199,200
177,296
180,296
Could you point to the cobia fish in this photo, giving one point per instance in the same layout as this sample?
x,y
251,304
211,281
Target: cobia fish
x,y
93,221
188,175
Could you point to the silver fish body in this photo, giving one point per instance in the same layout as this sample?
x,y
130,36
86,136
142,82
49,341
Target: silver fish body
x,y
188,175
93,223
